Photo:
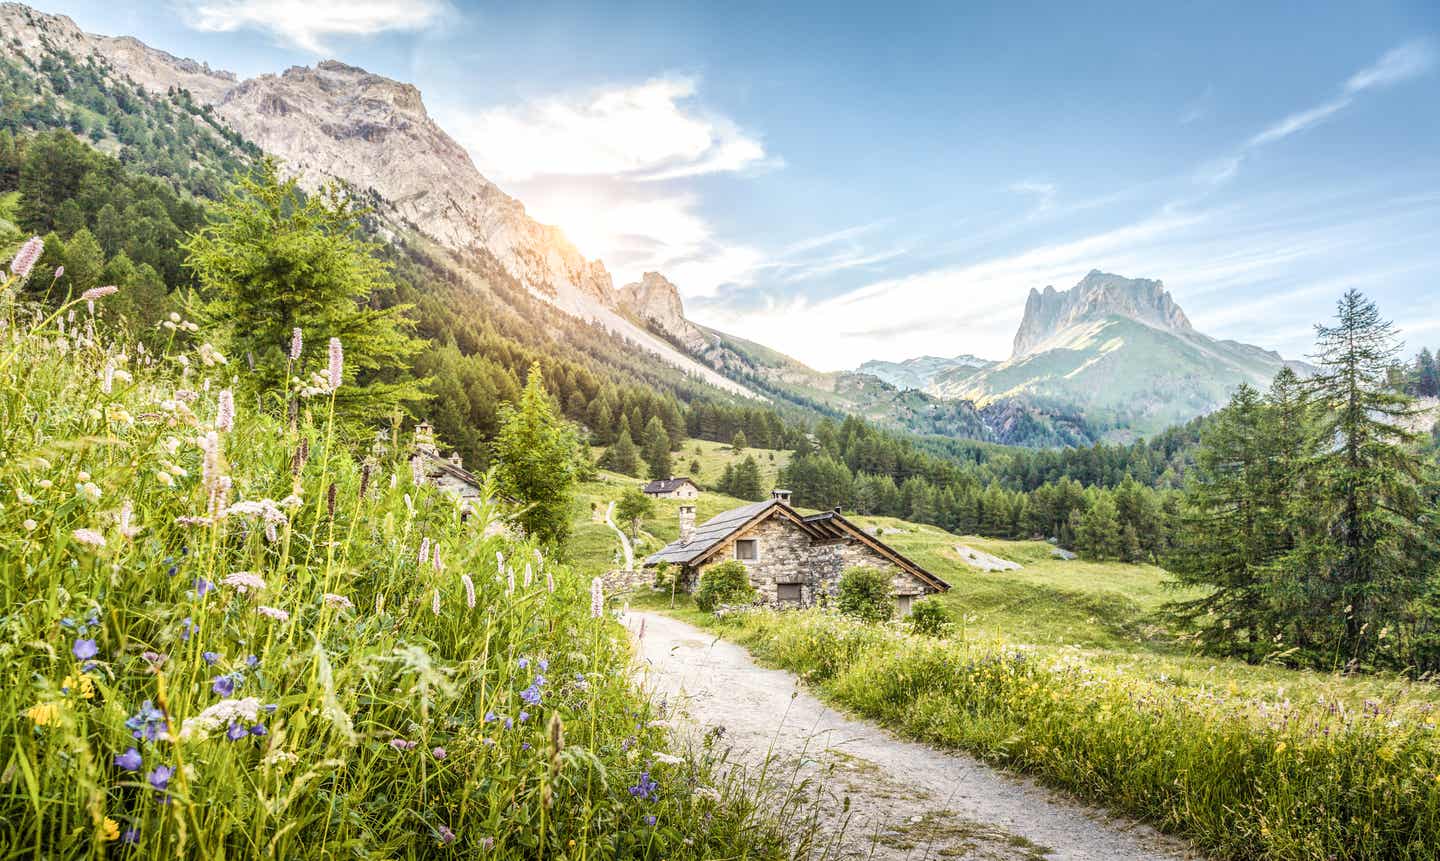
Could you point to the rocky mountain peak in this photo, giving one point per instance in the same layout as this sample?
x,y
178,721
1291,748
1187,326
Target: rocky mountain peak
x,y
653,298
1097,296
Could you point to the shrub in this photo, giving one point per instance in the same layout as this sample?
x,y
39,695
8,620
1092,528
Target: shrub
x,y
865,594
726,583
929,618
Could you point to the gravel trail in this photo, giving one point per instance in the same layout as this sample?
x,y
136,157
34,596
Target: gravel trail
x,y
907,800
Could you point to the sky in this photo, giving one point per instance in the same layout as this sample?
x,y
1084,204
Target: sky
x,y
880,181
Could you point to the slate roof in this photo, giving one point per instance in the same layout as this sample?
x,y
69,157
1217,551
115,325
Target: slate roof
x,y
667,485
709,533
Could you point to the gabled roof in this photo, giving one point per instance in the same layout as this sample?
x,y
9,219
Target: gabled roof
x,y
709,535
667,485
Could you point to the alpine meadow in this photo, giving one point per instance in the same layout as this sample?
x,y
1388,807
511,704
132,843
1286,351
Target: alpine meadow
x,y
642,431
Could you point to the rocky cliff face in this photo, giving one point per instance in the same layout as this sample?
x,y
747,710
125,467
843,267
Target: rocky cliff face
x,y
1097,296
655,299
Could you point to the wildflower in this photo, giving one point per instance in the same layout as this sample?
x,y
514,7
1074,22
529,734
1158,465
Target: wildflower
x,y
221,714
59,272
435,603
107,381
645,788
225,411
84,682
258,730
509,723
84,649
127,514
424,550
202,586
509,580
295,344
26,258
236,732
242,581
439,753
159,777
531,695
528,575
131,836
99,292
597,597
30,526
273,613
109,830
435,557
187,628
210,357
89,538
225,685
43,714
650,820
402,744
337,363
210,658
544,668
252,661
523,663
89,490
338,601
550,582
490,717
446,835
667,759
148,723
469,590
523,716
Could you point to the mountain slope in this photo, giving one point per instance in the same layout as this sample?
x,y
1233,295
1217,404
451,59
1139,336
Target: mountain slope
x,y
920,372
340,122
1120,352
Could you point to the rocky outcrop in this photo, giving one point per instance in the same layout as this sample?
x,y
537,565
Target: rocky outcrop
x,y
919,372
654,299
1097,296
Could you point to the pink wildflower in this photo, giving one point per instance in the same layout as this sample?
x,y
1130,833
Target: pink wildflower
x,y
435,556
243,581
469,590
225,412
338,601
27,256
99,292
435,603
337,363
424,555
295,343
273,613
597,597
89,537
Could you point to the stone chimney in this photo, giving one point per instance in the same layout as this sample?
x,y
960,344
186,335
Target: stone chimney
x,y
687,523
781,495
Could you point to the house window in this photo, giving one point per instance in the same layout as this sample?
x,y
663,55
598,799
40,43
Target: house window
x,y
787,593
747,549
903,603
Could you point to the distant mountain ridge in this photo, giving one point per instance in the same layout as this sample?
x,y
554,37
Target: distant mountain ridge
x,y
921,371
1118,351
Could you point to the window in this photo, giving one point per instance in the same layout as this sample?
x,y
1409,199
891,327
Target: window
x,y
747,549
787,593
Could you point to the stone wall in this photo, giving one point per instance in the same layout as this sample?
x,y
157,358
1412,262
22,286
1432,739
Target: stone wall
x,y
788,555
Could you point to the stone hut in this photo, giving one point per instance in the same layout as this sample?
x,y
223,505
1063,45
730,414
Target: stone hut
x,y
446,473
672,488
793,559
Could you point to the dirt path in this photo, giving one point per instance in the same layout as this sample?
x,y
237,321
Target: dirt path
x,y
906,800
624,539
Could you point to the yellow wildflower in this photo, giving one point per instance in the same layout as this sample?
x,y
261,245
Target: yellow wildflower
x,y
44,714
84,683
110,830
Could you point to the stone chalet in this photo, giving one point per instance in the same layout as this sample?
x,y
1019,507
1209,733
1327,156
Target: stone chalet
x,y
446,473
672,488
793,559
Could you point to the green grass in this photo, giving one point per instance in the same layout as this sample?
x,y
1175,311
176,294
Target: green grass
x,y
363,722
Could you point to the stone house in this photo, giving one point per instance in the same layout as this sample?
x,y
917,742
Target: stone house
x,y
672,488
794,560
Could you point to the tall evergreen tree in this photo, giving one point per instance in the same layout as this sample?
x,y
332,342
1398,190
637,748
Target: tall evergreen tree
x,y
656,449
536,450
622,456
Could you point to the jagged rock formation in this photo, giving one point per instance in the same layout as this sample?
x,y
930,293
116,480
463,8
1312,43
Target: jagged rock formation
x,y
1097,296
337,121
655,300
1119,352
920,372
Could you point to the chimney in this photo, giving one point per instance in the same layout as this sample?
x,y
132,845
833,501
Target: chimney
x,y
687,523
780,495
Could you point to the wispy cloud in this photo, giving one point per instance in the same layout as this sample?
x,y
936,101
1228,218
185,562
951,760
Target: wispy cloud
x,y
308,24
1042,192
649,131
1400,64
1199,107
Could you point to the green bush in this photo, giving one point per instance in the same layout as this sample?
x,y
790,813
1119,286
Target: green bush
x,y
865,594
929,618
726,583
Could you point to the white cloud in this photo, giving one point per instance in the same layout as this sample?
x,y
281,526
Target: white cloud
x,y
648,131
1043,192
1397,65
308,23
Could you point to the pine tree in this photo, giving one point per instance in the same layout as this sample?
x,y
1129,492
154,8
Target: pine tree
x,y
622,456
273,259
1427,374
656,449
738,443
536,450
1374,552
84,262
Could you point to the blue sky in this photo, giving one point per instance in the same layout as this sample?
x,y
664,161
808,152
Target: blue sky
x,y
890,180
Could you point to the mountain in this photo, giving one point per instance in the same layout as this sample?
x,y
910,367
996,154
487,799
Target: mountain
x,y
920,372
339,122
1118,351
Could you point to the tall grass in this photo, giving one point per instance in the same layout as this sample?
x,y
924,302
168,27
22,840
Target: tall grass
x,y
229,643
1241,775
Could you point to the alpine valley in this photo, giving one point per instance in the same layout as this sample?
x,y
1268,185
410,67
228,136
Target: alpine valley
x,y
1109,358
